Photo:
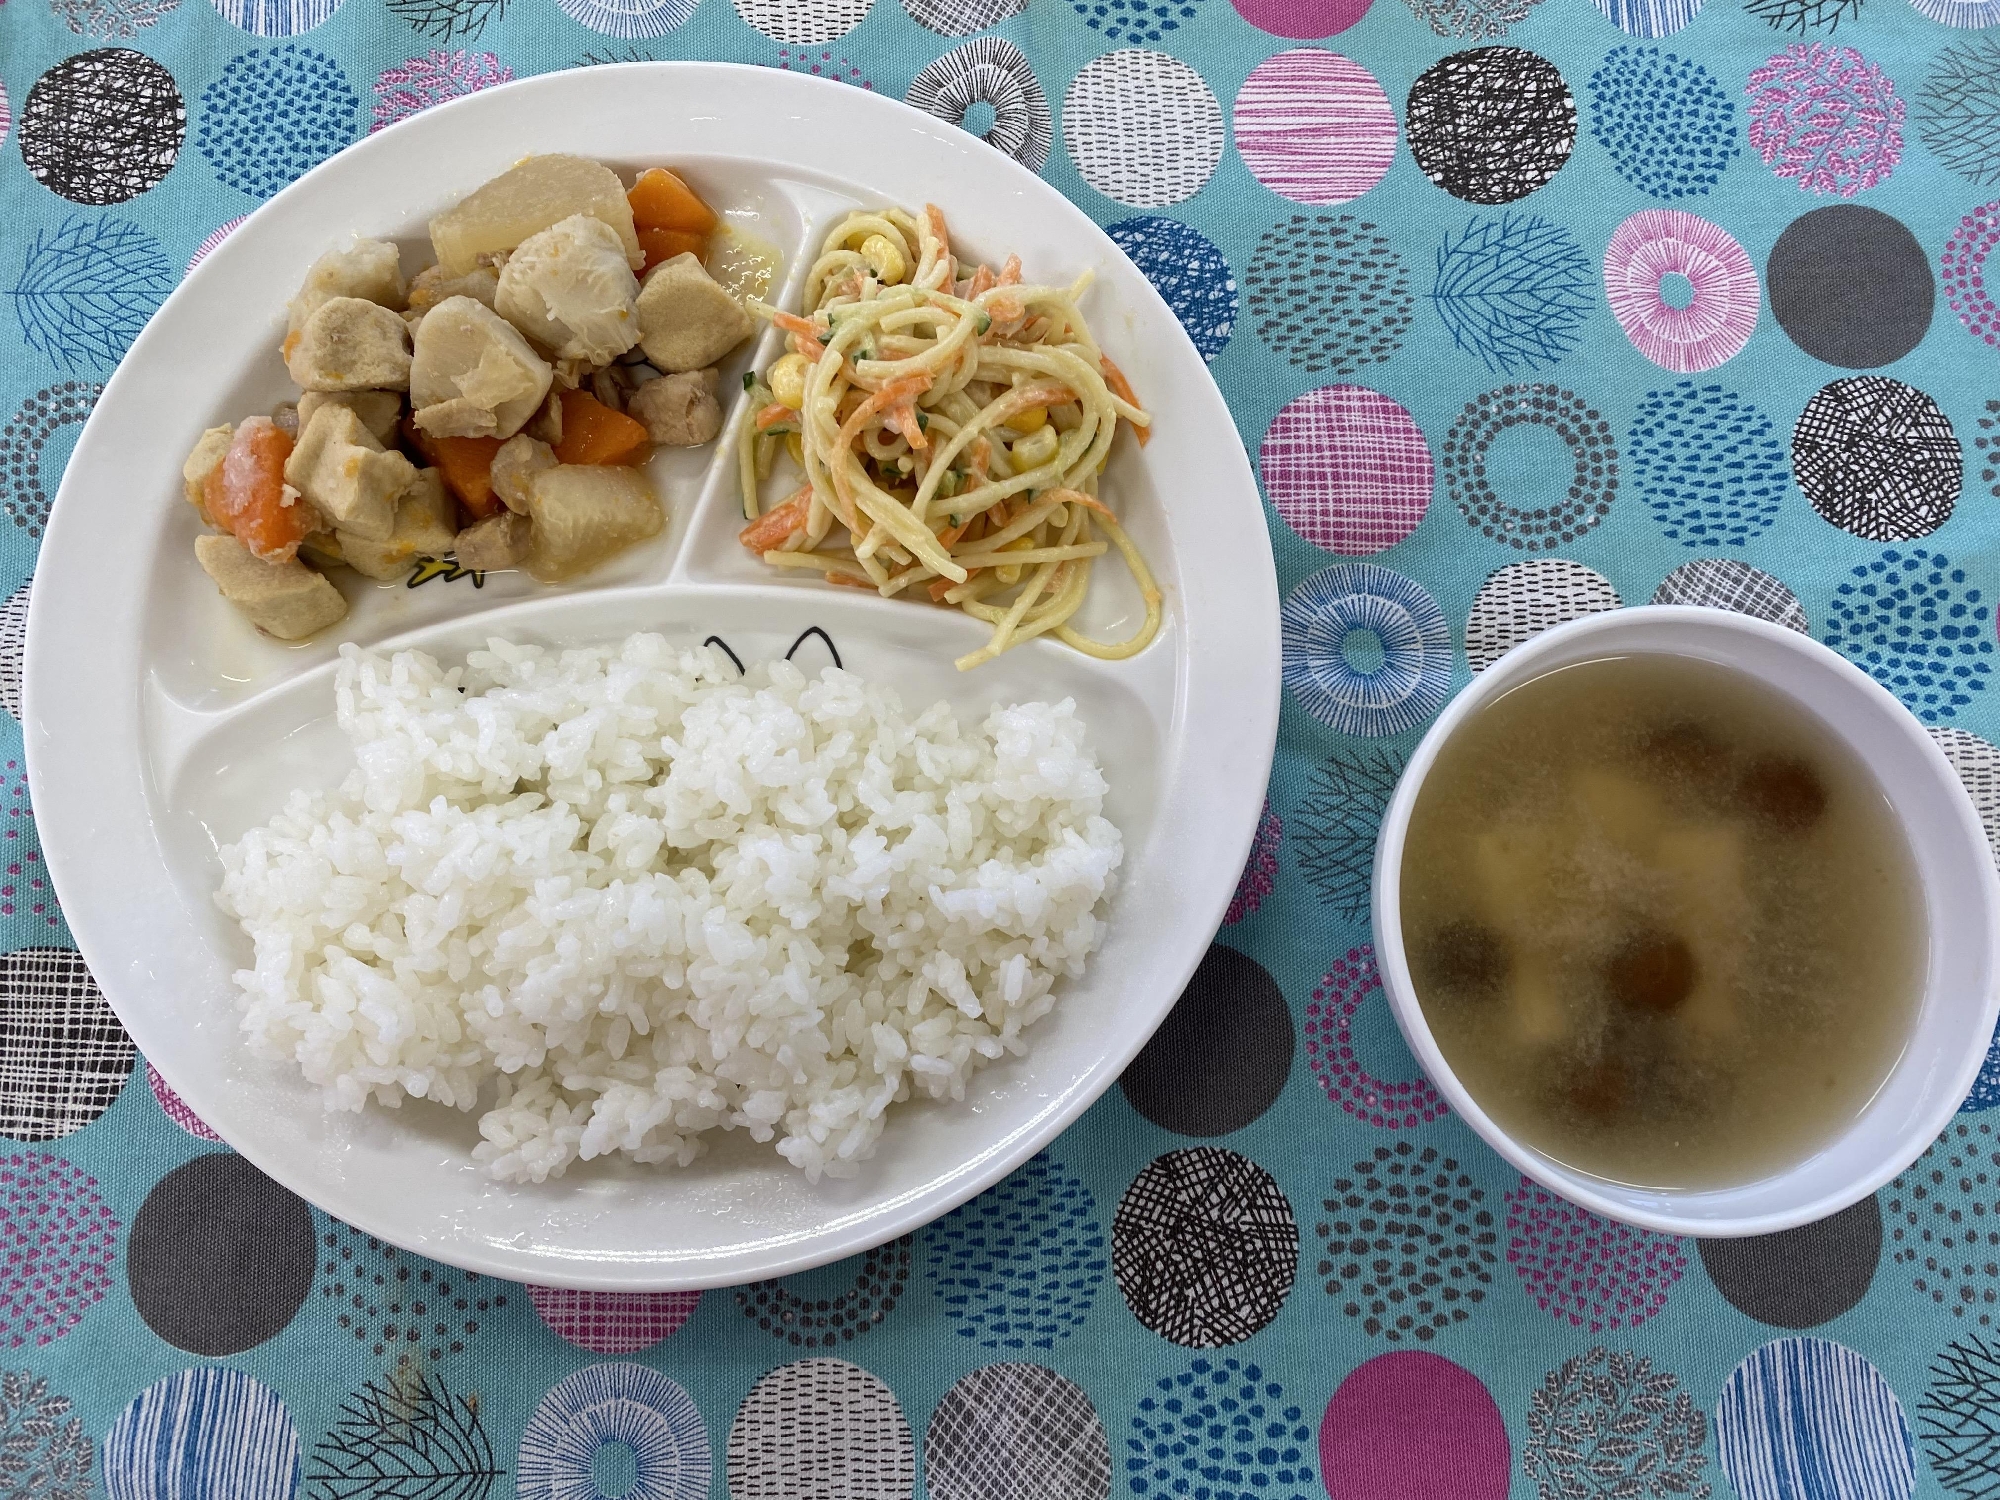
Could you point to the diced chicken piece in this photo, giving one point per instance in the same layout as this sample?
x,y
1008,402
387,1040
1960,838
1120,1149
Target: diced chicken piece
x,y
526,199
201,462
426,526
570,290
495,544
584,513
686,319
347,475
680,411
431,286
369,269
285,599
474,375
379,410
515,466
349,344
545,426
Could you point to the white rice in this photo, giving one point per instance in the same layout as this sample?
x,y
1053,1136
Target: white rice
x,y
647,899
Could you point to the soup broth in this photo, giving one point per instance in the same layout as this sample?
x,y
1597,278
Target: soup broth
x,y
1663,925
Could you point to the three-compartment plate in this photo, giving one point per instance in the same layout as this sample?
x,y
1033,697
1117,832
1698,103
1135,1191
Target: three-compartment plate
x,y
160,726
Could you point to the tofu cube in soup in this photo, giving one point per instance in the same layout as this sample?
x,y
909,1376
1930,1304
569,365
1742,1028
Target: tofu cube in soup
x,y
495,544
585,513
680,411
201,461
285,599
426,526
686,320
570,290
369,269
350,344
474,375
379,411
348,476
526,199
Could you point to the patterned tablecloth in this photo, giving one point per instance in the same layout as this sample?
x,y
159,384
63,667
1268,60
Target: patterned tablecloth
x,y
1526,308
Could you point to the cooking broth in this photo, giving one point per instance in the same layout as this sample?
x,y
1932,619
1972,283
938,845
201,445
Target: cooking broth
x,y
1662,923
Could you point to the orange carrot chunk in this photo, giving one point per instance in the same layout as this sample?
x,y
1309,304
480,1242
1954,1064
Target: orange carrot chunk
x,y
660,200
246,493
664,244
592,433
465,464
771,528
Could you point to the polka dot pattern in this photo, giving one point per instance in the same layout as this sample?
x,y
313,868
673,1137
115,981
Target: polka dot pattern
x,y
1551,518
1219,1421
1130,21
402,1310
1387,1104
1669,127
1142,127
1260,871
1330,293
1314,127
1943,1218
1019,1267
1916,624
58,1245
256,154
800,1311
1348,469
1964,267
1584,1270
1711,466
1407,1243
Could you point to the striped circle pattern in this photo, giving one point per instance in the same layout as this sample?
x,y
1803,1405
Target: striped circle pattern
x,y
1016,1432
1315,127
1348,469
1721,313
820,1426
990,71
1807,1416
1521,600
275,18
1366,650
202,1434
627,1405
1142,127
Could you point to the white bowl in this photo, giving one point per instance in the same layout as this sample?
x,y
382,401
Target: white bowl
x,y
1961,905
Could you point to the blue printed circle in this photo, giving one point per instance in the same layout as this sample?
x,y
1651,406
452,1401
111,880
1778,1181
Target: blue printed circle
x,y
201,1434
1190,274
1909,621
1649,18
86,288
646,1421
629,18
1131,22
1019,1266
273,18
1220,1428
1366,650
1667,125
274,115
1986,1087
1809,1417
1712,467
1514,290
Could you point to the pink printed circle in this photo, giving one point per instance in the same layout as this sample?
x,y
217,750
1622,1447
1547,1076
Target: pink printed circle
x,y
1315,127
1586,1270
416,83
1825,118
58,1243
1401,1104
613,1322
1260,871
175,1108
1302,20
1348,469
1964,266
1414,1426
216,236
1717,322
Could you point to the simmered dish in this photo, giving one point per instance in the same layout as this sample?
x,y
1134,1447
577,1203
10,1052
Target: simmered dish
x,y
948,424
1663,925
493,409
617,899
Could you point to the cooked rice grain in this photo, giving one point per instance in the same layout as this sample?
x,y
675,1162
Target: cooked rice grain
x,y
648,899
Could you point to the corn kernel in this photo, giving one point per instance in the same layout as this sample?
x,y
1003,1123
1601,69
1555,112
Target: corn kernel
x,y
884,259
1034,419
1011,572
795,444
788,381
1036,449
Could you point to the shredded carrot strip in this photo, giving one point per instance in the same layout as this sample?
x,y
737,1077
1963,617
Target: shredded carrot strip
x,y
793,323
936,216
1122,389
774,414
896,392
771,528
982,281
849,581
1010,274
904,415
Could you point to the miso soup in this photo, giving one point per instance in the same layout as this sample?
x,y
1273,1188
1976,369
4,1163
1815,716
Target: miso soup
x,y
1663,925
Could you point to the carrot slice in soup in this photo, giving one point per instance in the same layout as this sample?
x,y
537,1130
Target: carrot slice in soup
x,y
246,492
592,433
660,200
464,463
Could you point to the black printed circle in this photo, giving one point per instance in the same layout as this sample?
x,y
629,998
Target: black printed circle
x,y
220,1256
1563,514
1204,1247
1330,293
779,1307
22,489
103,126
1408,1243
1851,286
1878,458
1800,1278
1222,1056
64,1058
1491,125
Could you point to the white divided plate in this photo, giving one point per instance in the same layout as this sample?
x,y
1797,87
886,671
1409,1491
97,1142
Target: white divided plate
x,y
160,726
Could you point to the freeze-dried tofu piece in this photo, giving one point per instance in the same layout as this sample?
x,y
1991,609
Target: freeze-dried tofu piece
x,y
570,290
526,199
285,599
347,475
369,269
474,375
350,344
426,526
201,461
686,320
431,286
379,410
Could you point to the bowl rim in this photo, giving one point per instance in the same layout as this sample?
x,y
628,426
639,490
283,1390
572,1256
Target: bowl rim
x,y
1519,665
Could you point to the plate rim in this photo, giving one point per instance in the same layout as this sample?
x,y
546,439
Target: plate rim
x,y
66,831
